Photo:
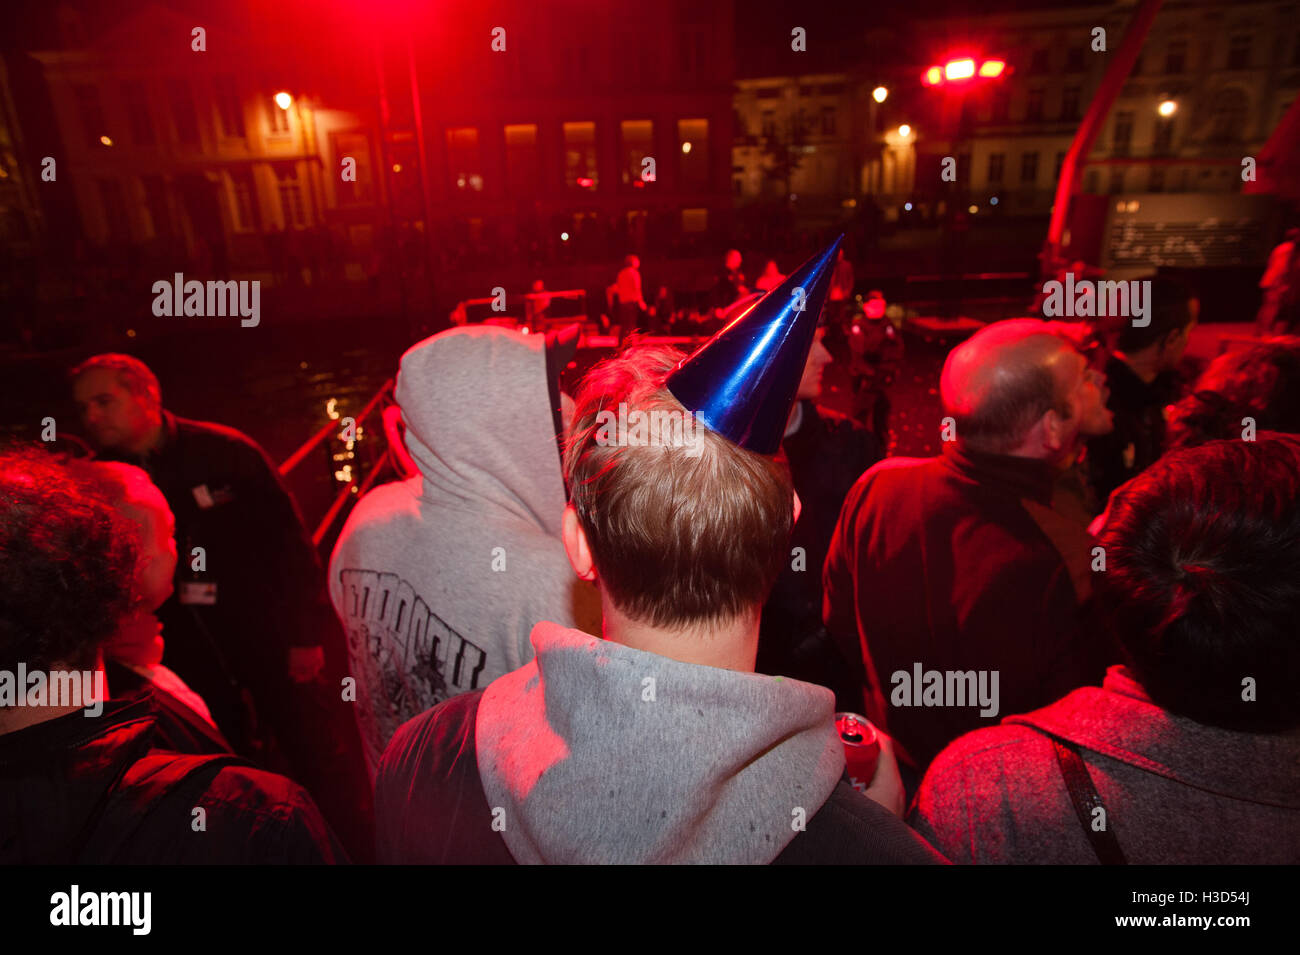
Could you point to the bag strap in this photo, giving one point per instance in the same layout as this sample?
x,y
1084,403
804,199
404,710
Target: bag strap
x,y
1086,800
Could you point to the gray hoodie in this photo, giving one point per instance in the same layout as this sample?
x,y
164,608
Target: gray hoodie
x,y
597,752
440,578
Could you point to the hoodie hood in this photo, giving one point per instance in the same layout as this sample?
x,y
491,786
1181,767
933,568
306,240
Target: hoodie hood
x,y
599,753
479,425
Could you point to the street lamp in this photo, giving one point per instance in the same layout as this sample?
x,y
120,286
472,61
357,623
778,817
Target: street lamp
x,y
964,68
1167,108
879,94
963,73
904,131
283,100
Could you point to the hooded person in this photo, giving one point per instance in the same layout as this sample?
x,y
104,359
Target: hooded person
x,y
439,578
657,743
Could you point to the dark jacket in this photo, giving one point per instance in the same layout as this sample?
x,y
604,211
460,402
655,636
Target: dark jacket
x,y
1175,792
827,455
569,760
958,563
80,789
269,586
1139,435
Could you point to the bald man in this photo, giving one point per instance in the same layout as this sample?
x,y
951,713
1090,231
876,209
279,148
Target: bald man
x,y
962,593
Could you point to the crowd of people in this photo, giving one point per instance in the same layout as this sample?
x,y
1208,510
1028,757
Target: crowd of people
x,y
618,626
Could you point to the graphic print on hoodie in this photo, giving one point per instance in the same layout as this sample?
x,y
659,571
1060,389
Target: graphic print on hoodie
x,y
439,579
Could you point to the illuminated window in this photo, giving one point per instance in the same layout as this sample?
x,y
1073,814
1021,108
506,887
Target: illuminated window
x,y
695,220
693,153
464,163
580,156
638,137
522,175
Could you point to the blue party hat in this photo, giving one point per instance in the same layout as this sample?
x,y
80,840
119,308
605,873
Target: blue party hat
x,y
743,381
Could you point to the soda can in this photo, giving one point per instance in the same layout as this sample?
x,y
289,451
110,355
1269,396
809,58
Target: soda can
x,y
861,748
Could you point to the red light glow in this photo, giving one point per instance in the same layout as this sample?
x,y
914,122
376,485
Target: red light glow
x,y
959,69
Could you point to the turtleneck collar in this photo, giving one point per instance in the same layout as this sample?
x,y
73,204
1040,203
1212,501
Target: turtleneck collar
x,y
1023,477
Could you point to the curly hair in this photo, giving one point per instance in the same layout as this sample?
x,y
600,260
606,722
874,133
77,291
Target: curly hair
x,y
1261,382
67,562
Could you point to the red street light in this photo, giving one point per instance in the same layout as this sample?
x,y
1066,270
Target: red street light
x,y
963,69
959,69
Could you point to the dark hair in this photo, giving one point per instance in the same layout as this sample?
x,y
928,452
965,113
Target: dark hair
x,y
1202,581
67,563
134,375
677,538
1170,304
1261,382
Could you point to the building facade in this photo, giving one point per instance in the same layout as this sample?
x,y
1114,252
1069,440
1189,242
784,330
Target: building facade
x,y
270,141
1211,83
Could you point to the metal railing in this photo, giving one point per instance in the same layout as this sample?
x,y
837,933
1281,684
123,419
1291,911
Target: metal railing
x,y
535,303
351,487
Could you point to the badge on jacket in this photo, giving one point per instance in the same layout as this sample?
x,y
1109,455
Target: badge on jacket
x,y
206,498
198,593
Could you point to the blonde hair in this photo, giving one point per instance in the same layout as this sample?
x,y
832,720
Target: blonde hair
x,y
679,535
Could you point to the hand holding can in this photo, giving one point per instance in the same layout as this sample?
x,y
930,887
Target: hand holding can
x,y
861,748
